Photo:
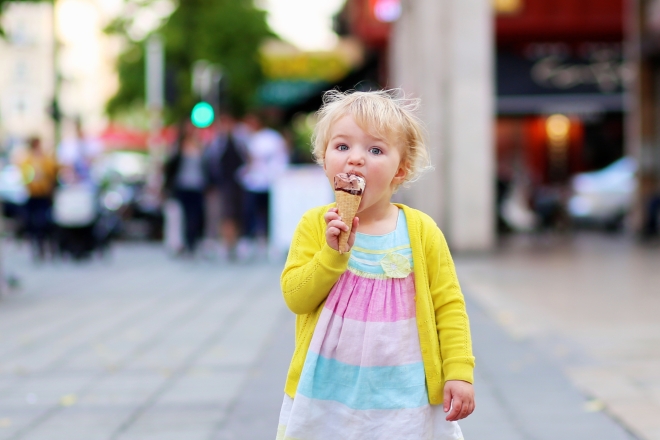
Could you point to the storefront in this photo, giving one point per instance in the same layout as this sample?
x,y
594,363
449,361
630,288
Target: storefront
x,y
560,108
645,114
561,82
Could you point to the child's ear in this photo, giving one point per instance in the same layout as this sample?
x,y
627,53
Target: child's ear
x,y
401,173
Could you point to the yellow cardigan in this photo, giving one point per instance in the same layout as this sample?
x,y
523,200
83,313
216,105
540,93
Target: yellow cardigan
x,y
312,268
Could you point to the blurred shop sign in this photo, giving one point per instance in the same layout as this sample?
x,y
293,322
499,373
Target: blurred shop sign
x,y
505,7
386,11
589,72
286,93
556,68
294,75
325,66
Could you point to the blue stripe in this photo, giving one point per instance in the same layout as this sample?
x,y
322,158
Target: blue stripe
x,y
373,265
363,388
370,262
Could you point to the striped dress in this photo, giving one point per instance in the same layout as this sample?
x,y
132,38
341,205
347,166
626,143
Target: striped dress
x,y
363,377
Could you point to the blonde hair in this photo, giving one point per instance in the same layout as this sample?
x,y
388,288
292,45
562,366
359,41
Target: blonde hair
x,y
385,114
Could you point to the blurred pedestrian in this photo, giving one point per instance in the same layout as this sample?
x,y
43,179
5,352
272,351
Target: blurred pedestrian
x,y
185,180
75,204
383,347
223,158
78,154
39,171
267,159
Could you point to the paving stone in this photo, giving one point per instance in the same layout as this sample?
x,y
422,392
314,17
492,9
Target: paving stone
x,y
165,422
79,423
156,348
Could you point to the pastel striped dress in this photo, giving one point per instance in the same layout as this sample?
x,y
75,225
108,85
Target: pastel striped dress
x,y
363,377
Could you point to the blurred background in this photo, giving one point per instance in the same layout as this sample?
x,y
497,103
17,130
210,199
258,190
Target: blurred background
x,y
148,145
552,111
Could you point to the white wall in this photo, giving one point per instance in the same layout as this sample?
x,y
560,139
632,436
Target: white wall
x,y
442,52
26,75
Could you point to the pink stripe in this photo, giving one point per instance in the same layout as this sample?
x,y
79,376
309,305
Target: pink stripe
x,y
369,300
387,343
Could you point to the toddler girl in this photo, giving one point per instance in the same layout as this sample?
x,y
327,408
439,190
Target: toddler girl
x,y
383,346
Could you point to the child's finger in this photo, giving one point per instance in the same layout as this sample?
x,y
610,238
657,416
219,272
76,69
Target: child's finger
x,y
332,233
331,215
351,236
336,223
456,408
470,409
465,411
446,399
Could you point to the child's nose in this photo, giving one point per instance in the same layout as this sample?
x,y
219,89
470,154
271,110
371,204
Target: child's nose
x,y
356,158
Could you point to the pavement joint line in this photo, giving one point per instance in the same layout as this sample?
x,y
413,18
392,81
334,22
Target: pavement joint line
x,y
36,422
129,319
485,372
62,329
189,362
231,406
31,347
52,368
57,408
85,389
543,355
45,309
127,371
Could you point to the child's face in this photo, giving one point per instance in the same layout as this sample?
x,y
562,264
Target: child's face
x,y
352,150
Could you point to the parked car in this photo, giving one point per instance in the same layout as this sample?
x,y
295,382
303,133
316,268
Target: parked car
x,y
604,197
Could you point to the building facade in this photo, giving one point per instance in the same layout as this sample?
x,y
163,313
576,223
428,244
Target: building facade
x,y
27,80
561,86
441,52
644,123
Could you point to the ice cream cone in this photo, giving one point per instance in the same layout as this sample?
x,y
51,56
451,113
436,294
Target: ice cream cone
x,y
347,205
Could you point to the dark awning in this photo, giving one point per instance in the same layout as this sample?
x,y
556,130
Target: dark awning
x,y
573,104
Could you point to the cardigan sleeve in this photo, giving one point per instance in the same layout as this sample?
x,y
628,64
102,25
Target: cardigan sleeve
x,y
450,313
312,267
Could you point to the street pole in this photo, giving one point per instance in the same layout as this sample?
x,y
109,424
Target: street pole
x,y
155,100
55,113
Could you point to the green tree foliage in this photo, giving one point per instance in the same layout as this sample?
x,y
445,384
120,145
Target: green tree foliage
x,y
224,32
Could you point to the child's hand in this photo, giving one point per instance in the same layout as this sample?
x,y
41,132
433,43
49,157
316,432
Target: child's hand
x,y
459,395
334,225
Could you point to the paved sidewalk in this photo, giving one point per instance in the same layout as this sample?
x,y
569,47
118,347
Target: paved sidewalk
x,y
591,303
141,347
146,347
523,395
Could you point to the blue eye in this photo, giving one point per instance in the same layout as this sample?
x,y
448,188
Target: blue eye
x,y
342,147
375,150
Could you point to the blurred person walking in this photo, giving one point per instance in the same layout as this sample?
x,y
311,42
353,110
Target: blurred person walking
x,y
75,203
78,154
224,156
39,171
267,159
185,180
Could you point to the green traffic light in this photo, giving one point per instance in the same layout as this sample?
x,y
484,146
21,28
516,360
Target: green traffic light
x,y
202,115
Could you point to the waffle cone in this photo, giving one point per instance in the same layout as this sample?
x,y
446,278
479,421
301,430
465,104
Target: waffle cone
x,y
347,205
